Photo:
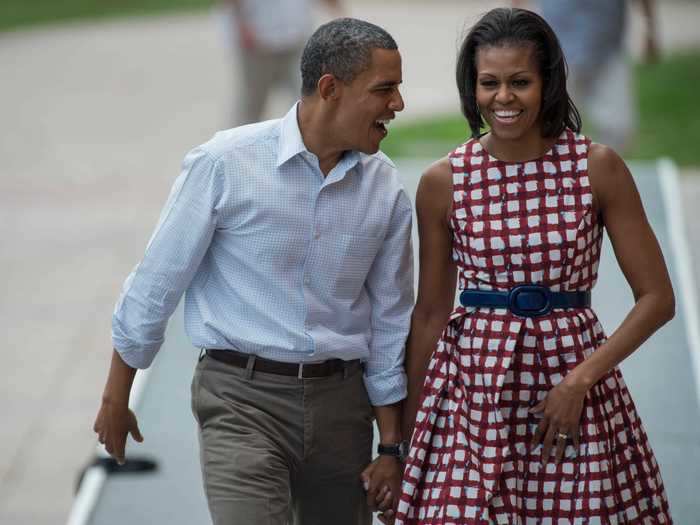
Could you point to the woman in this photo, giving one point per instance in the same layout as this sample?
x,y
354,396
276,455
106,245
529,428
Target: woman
x,y
524,416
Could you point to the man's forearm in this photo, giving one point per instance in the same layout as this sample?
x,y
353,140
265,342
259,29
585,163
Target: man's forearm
x,y
389,423
119,381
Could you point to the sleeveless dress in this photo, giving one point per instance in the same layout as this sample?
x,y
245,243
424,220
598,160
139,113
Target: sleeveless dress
x,y
470,461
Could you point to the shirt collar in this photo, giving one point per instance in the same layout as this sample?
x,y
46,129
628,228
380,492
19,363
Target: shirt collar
x,y
291,143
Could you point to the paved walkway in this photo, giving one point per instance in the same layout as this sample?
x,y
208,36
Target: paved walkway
x,y
95,121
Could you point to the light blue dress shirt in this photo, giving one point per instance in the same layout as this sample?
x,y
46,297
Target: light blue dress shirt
x,y
278,261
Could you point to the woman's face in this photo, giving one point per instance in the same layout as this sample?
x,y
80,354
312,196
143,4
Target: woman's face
x,y
509,90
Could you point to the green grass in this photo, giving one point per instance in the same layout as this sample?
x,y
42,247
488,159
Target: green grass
x,y
22,13
431,137
669,111
669,118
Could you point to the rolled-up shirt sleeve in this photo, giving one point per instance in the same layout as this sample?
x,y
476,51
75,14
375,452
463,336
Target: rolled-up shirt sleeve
x,y
390,288
153,289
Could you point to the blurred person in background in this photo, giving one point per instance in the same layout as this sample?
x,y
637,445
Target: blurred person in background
x,y
592,34
291,240
267,37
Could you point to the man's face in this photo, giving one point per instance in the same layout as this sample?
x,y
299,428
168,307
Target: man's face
x,y
369,102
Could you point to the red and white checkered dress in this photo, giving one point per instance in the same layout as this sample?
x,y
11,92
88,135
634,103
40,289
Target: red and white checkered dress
x,y
470,460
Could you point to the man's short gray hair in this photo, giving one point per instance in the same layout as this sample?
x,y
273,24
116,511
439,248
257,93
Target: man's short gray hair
x,y
343,48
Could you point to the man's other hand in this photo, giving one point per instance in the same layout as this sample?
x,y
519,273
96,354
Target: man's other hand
x,y
114,421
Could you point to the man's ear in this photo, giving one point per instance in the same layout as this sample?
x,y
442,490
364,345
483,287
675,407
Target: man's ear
x,y
329,87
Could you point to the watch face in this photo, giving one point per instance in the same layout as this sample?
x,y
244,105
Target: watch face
x,y
398,450
403,450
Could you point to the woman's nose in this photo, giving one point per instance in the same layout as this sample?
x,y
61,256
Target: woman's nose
x,y
504,95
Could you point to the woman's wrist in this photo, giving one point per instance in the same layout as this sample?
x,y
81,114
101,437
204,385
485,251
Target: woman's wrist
x,y
580,380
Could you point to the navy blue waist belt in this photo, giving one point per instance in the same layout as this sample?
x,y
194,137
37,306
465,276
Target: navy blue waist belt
x,y
526,300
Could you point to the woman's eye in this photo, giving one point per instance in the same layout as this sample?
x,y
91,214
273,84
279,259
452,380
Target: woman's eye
x,y
521,82
488,83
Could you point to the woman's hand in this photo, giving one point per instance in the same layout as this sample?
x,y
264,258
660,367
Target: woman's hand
x,y
382,481
561,411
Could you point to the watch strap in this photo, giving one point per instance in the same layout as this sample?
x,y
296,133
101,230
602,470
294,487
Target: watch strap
x,y
397,450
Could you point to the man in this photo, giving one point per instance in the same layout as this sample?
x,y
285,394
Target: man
x,y
291,241
268,37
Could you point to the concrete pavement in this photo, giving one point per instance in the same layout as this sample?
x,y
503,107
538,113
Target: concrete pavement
x,y
95,120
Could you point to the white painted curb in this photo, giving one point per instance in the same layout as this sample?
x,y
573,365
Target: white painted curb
x,y
680,258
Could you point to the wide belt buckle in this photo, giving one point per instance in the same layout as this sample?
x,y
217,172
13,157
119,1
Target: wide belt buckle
x,y
530,300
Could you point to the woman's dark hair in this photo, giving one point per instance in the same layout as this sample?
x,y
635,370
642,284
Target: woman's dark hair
x,y
519,27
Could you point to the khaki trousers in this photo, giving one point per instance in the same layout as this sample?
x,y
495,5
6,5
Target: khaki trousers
x,y
278,449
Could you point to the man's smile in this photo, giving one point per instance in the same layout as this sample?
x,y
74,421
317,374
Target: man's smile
x,y
382,124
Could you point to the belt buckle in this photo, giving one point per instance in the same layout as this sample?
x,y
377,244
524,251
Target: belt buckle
x,y
530,300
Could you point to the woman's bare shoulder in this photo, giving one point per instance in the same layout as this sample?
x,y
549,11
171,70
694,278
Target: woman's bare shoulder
x,y
437,176
609,176
604,162
434,196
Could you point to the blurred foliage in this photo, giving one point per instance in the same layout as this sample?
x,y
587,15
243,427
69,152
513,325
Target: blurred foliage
x,y
669,118
21,13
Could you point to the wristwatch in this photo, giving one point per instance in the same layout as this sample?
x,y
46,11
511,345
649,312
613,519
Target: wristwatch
x,y
398,450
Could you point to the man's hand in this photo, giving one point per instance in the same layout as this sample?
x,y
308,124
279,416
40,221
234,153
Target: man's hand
x,y
382,481
114,421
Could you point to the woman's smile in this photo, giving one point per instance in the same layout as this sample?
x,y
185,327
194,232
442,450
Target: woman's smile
x,y
507,116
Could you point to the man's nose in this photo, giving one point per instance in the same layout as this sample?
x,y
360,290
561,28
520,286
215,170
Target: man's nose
x,y
396,103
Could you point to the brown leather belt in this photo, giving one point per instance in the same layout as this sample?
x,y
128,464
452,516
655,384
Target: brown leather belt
x,y
300,370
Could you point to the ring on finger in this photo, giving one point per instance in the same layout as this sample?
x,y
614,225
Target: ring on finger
x,y
562,435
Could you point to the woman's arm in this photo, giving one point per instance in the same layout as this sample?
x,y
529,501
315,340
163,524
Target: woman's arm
x,y
638,253
436,281
640,259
